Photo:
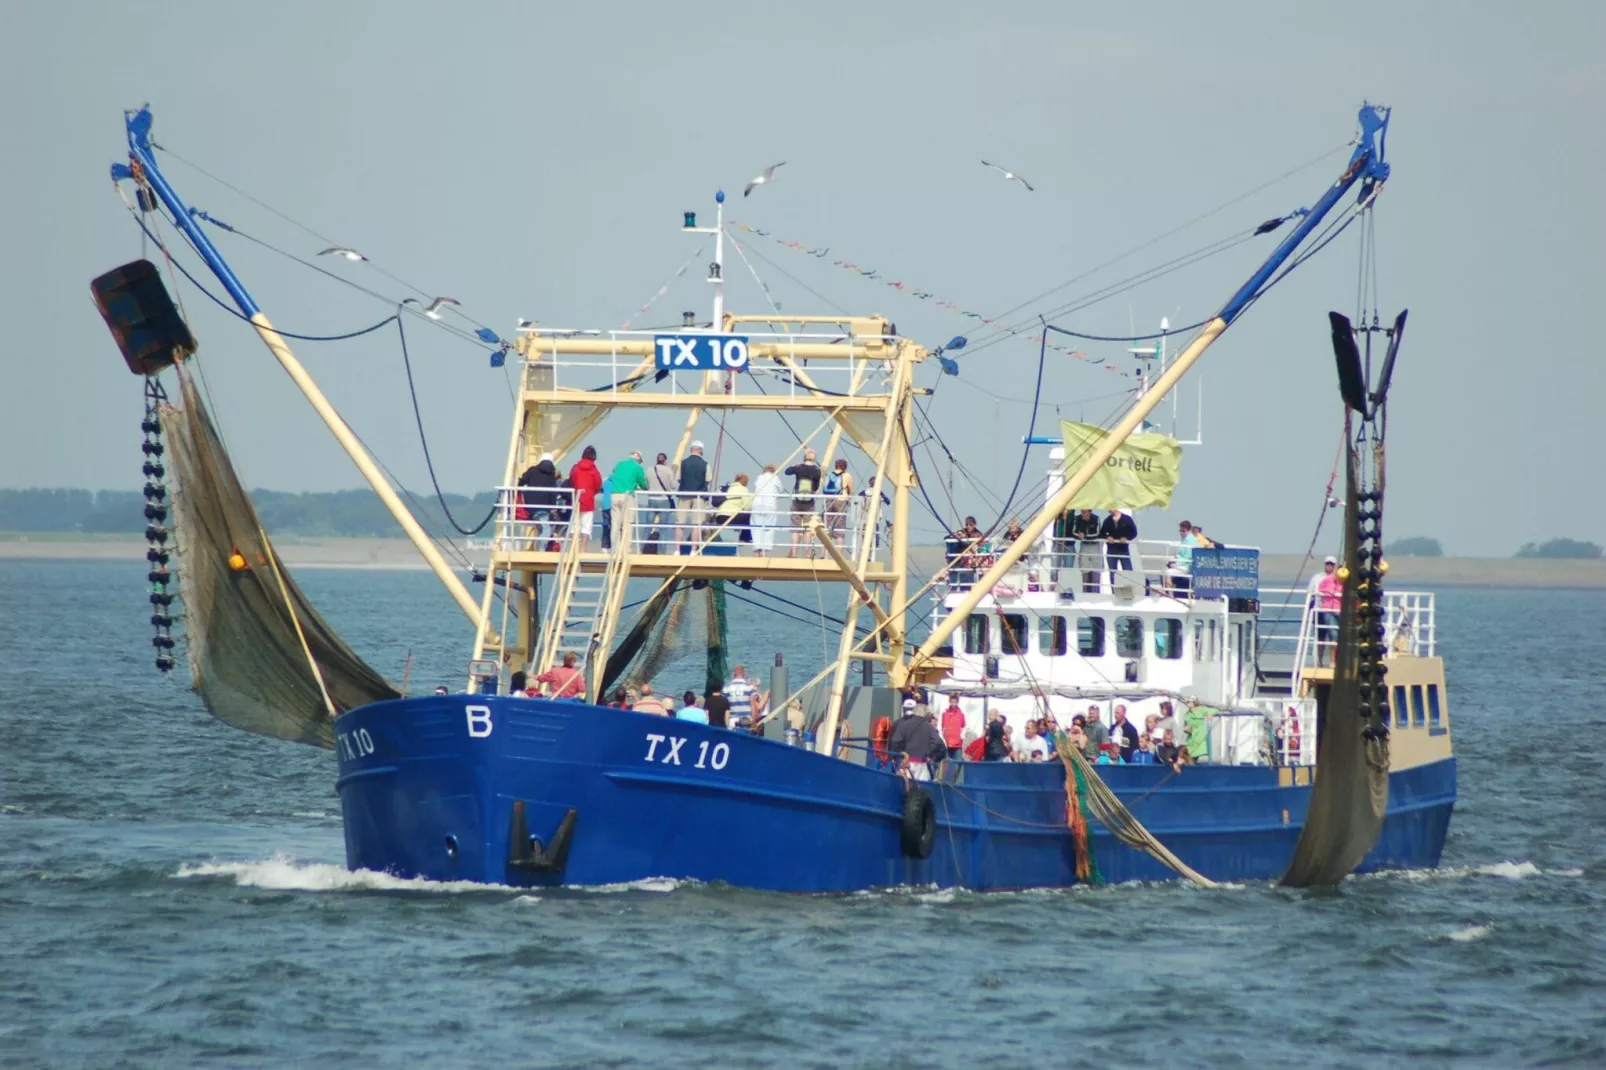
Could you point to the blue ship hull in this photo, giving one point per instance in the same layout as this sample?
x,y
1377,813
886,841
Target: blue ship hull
x,y
529,792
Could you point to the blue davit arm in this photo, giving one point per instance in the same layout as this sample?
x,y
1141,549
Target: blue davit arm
x,y
1366,165
140,156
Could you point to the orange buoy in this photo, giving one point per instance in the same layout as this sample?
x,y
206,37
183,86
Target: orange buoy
x,y
237,562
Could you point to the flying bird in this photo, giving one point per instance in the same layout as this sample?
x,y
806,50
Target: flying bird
x,y
767,176
1012,176
349,254
434,309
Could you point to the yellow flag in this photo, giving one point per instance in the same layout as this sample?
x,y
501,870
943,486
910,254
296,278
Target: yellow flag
x,y
1143,472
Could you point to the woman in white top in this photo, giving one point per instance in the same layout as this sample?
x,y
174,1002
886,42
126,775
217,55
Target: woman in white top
x,y
766,510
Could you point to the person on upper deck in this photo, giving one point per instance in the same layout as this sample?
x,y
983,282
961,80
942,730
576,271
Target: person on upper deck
x,y
1012,531
1031,746
1141,755
737,509
805,485
535,504
627,477
1327,598
660,501
690,507
1118,531
953,727
838,491
1179,577
1109,754
766,510
586,479
1084,529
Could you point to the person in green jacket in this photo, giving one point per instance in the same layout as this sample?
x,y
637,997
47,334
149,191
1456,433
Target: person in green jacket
x,y
628,476
1196,729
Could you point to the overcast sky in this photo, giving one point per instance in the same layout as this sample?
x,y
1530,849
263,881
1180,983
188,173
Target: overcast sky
x,y
533,160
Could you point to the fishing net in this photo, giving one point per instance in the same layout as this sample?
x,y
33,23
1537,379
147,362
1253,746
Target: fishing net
x,y
677,643
1351,793
248,627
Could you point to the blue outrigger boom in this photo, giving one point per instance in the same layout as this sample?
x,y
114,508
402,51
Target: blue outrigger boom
x,y
509,790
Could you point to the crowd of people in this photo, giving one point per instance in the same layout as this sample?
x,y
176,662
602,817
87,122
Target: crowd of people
x,y
679,507
920,739
1097,546
738,703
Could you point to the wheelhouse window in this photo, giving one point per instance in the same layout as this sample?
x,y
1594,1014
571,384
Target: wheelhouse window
x,y
1402,712
1215,641
1433,707
1198,640
977,637
1090,637
1013,637
1168,638
1129,637
1418,714
1051,635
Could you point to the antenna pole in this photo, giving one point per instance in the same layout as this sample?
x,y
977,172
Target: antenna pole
x,y
718,278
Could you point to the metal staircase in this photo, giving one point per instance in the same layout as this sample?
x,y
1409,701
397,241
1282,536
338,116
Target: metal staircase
x,y
583,611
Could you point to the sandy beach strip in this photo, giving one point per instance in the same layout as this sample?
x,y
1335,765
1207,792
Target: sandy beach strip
x,y
1275,569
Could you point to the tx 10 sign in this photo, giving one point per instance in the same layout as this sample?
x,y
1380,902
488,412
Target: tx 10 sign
x,y
701,352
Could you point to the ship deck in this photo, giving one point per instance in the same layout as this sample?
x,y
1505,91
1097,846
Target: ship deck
x,y
696,566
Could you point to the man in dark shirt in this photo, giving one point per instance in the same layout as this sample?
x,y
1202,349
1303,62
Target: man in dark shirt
x,y
1118,532
806,483
1124,734
1089,551
691,506
719,708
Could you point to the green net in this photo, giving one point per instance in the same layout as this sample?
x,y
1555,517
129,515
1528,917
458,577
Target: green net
x,y
677,643
241,606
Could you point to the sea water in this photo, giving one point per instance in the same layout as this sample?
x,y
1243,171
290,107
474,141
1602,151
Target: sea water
x,y
172,893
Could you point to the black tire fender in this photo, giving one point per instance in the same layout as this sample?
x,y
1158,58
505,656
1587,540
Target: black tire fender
x,y
919,831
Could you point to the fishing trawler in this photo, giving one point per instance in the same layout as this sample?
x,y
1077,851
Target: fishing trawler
x,y
1326,742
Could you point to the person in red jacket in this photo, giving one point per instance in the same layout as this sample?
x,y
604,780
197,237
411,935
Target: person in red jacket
x,y
953,727
586,479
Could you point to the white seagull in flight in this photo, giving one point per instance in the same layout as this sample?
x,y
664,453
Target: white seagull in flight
x,y
1012,176
767,176
349,254
434,309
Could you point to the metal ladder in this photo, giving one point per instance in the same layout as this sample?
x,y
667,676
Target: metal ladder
x,y
583,612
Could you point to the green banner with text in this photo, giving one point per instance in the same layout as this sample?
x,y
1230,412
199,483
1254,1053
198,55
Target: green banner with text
x,y
1143,472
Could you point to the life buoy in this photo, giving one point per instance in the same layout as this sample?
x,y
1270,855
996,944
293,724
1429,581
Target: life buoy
x,y
919,831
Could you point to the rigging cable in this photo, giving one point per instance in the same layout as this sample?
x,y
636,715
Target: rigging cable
x,y
423,440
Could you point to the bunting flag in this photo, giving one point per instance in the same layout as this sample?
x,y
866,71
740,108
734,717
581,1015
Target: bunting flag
x,y
661,290
874,275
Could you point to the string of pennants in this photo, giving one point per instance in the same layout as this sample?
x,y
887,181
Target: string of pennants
x,y
874,275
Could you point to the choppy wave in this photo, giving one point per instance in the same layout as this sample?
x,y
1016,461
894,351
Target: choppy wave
x,y
285,874
1514,871
1468,934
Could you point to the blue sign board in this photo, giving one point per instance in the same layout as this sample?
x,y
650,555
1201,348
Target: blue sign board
x,y
1226,572
701,352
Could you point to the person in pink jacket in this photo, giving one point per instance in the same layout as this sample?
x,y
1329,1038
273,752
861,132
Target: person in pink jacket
x,y
586,479
1327,594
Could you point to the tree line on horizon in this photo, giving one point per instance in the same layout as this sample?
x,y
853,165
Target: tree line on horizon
x,y
315,514
360,514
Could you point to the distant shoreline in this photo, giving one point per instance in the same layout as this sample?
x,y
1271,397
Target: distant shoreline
x,y
355,553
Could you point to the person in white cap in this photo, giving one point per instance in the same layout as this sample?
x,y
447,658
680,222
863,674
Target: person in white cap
x,y
916,740
691,505
1326,598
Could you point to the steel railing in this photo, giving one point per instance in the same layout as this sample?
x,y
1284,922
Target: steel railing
x,y
678,522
